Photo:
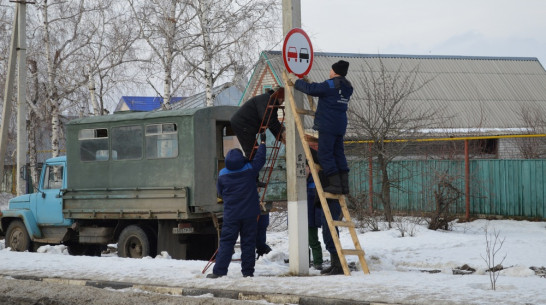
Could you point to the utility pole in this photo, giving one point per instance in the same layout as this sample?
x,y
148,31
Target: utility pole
x,y
296,182
17,50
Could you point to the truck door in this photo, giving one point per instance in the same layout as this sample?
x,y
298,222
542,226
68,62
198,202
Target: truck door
x,y
49,204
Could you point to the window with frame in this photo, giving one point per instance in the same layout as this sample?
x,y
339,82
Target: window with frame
x,y
93,144
127,143
53,177
161,141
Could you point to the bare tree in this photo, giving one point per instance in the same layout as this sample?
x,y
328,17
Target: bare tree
x,y
61,40
493,244
388,117
36,116
534,120
446,196
164,26
110,54
226,34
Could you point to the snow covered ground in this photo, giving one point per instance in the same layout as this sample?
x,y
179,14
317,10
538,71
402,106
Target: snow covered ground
x,y
414,269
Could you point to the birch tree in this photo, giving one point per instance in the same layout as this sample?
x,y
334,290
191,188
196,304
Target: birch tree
x,y
110,54
76,42
163,27
64,38
227,35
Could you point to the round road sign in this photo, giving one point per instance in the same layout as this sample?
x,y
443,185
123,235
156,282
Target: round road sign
x,y
297,52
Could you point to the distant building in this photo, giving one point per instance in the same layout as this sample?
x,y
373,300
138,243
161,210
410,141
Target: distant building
x,y
142,103
482,96
224,95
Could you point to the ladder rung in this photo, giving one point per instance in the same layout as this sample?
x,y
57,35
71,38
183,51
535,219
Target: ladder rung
x,y
305,111
352,252
348,224
332,196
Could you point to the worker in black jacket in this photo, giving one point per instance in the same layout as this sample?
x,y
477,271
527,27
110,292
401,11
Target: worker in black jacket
x,y
247,120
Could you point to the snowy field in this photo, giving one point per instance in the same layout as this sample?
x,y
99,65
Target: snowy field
x,y
415,269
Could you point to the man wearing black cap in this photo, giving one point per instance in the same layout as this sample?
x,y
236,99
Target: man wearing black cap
x,y
331,123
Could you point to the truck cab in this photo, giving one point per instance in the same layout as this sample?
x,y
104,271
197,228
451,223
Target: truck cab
x,y
28,216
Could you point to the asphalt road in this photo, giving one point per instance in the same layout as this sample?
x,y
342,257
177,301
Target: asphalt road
x,y
30,292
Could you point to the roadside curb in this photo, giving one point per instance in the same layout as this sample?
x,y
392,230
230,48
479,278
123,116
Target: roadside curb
x,y
276,298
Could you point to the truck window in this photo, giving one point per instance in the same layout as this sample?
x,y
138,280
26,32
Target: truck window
x,y
93,144
53,177
161,141
127,143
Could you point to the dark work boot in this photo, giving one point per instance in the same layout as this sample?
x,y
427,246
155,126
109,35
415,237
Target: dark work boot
x,y
335,267
261,252
334,184
259,183
344,177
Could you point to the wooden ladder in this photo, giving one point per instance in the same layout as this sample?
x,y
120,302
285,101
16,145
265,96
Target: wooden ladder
x,y
314,168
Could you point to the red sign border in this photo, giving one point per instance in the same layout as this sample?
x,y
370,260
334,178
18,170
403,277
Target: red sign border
x,y
284,55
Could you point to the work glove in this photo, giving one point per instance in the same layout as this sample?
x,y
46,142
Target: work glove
x,y
292,78
262,136
306,79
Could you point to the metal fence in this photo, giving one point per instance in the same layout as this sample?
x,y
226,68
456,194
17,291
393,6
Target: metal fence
x,y
497,187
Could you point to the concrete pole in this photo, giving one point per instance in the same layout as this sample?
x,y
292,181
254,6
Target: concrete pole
x,y
8,95
296,183
22,145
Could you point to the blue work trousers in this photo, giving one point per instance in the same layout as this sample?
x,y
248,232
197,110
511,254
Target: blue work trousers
x,y
335,210
331,153
230,231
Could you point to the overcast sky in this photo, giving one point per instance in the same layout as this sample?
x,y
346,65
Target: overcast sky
x,y
513,28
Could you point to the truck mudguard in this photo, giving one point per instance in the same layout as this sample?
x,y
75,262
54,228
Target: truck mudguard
x,y
28,219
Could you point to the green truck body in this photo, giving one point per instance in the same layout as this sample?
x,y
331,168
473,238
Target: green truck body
x,y
146,181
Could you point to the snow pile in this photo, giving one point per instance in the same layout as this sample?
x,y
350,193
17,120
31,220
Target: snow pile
x,y
416,269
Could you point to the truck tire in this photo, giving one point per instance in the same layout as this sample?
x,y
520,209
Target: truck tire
x,y
17,237
133,242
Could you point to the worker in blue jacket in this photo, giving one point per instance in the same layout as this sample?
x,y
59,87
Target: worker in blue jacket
x,y
237,186
331,123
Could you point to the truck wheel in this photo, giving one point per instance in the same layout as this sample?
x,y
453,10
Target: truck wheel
x,y
133,242
17,237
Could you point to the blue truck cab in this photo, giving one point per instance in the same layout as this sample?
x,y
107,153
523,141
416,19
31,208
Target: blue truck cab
x,y
29,216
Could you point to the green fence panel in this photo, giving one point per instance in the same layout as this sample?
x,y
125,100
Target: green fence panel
x,y
497,187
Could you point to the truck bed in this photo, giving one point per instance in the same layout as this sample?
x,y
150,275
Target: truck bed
x,y
127,203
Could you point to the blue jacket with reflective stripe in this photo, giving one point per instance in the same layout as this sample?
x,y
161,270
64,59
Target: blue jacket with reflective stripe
x,y
334,95
237,184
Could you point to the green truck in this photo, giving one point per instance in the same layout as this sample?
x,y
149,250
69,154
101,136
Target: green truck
x,y
143,180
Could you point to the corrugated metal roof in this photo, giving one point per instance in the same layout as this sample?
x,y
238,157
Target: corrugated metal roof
x,y
475,92
225,95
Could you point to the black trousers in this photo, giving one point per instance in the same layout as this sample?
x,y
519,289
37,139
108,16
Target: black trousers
x,y
246,137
